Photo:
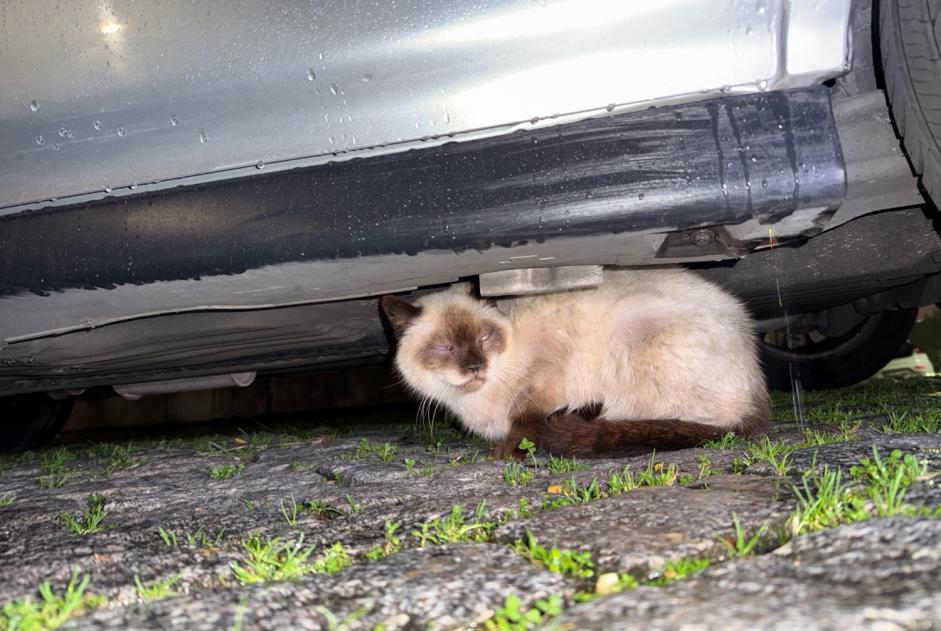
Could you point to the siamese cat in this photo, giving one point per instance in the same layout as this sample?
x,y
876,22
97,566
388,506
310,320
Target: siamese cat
x,y
651,359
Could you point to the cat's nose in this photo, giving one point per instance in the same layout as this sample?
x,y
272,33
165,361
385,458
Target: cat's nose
x,y
474,368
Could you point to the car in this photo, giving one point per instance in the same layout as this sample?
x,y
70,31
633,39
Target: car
x,y
909,361
195,193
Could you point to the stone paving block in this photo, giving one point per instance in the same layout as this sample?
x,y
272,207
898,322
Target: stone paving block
x,y
879,574
640,530
430,588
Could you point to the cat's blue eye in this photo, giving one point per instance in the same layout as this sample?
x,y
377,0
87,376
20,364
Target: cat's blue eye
x,y
485,337
444,348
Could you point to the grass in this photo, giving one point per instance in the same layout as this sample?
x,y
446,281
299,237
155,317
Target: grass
x,y
272,560
200,538
728,441
515,474
676,570
290,516
226,471
577,565
876,488
335,623
50,610
559,465
321,509
54,464
355,507
454,528
512,616
336,558
121,459
156,589
741,544
390,546
383,451
672,571
90,519
7,499
776,453
928,421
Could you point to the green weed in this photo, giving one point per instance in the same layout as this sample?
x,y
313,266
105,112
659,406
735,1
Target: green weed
x,y
51,610
383,451
728,441
569,563
121,459
676,570
156,589
454,528
7,499
742,544
55,465
90,519
336,558
563,465
777,453
515,474
513,617
391,545
272,560
226,471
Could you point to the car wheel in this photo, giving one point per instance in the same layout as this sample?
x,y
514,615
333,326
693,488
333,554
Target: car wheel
x,y
31,420
911,62
834,362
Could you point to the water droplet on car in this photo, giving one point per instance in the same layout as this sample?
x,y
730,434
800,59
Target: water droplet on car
x,y
203,138
132,186
260,165
762,85
366,77
121,131
55,146
447,117
108,189
174,120
764,184
62,132
34,106
610,107
97,126
40,139
311,75
334,89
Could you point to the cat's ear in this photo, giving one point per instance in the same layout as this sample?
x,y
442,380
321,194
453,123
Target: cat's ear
x,y
400,314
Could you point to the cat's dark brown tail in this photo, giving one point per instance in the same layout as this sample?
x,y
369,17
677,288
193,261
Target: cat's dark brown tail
x,y
572,434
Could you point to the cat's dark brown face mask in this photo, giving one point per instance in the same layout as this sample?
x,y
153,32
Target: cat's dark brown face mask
x,y
460,347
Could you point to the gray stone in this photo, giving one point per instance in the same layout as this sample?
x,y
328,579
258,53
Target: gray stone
x,y
880,574
435,588
639,531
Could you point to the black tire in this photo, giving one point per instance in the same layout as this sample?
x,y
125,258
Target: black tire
x,y
909,34
28,421
841,361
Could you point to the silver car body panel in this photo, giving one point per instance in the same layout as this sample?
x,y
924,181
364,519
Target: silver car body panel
x,y
114,98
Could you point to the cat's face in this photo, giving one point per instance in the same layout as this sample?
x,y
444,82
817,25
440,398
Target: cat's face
x,y
448,345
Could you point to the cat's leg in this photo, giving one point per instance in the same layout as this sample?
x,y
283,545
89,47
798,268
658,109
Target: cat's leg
x,y
527,424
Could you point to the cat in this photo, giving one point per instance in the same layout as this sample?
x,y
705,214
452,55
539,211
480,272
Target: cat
x,y
650,359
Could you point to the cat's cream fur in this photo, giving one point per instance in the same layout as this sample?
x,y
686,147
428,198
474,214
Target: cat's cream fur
x,y
647,344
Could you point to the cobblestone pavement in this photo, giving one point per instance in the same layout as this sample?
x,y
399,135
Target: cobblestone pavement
x,y
831,524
